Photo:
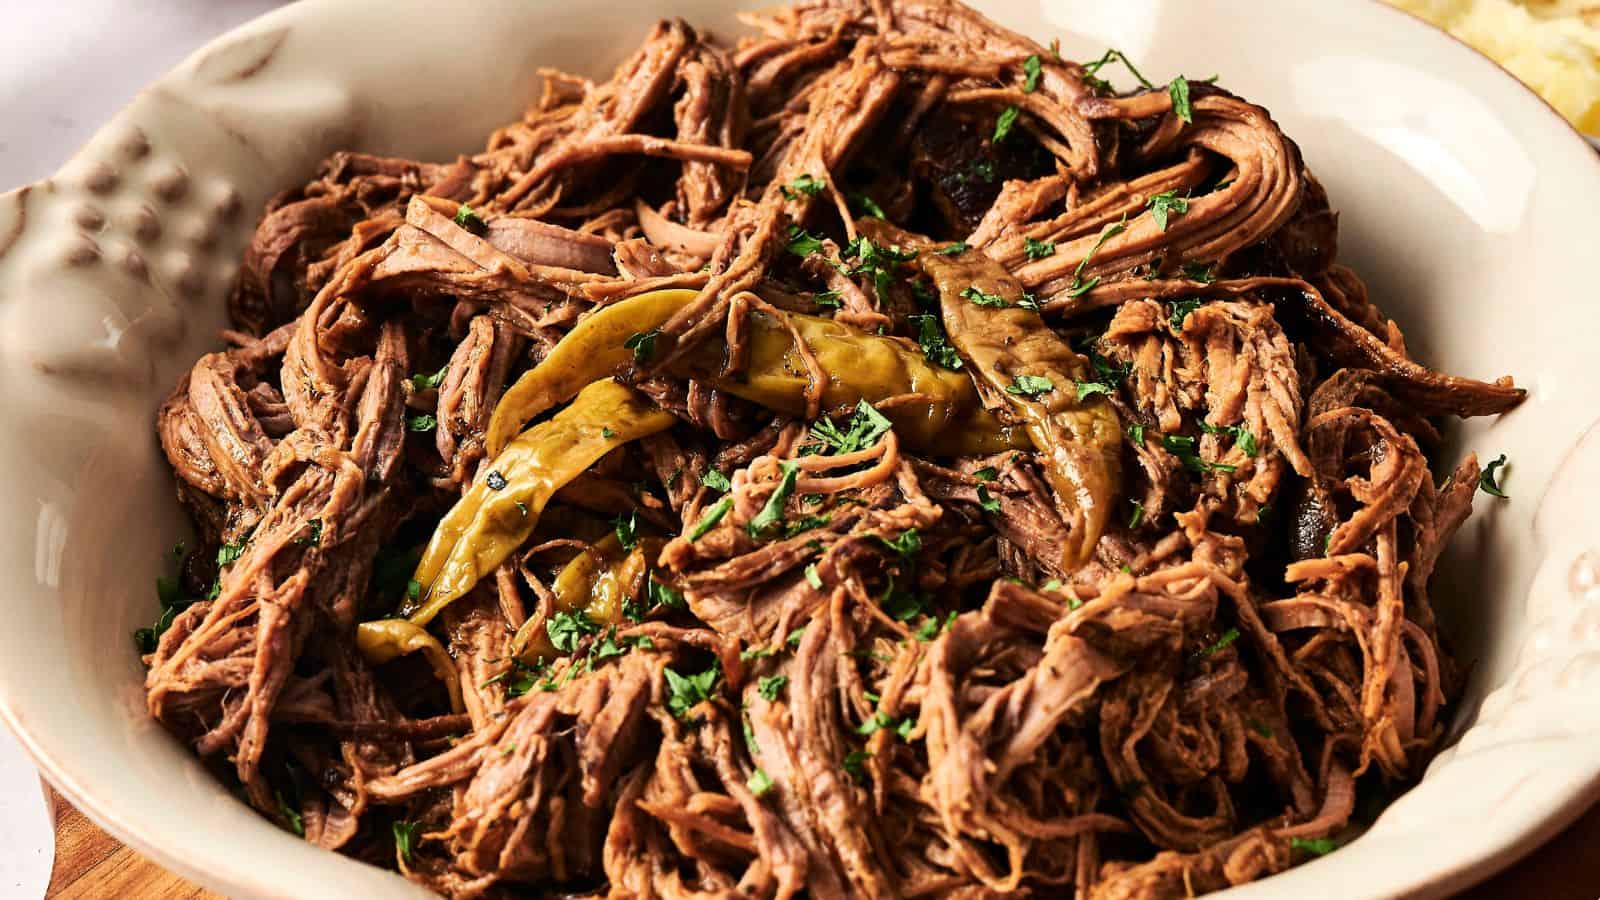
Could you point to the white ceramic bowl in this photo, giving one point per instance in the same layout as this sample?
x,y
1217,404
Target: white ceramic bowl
x,y
1469,205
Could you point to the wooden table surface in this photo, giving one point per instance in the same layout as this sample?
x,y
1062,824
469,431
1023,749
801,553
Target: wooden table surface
x,y
91,864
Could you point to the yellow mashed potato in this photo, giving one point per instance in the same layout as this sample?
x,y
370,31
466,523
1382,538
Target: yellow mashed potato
x,y
1552,45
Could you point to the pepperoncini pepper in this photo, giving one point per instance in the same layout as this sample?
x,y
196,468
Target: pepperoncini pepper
x,y
946,417
498,512
1025,367
390,639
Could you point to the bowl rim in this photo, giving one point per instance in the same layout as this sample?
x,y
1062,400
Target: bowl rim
x,y
235,874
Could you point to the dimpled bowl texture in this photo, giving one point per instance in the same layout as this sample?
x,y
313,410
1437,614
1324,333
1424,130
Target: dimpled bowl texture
x,y
1467,204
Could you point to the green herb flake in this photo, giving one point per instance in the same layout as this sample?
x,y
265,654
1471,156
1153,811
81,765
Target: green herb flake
x,y
1030,385
760,784
1179,91
421,423
422,382
855,763
566,629
987,473
1198,271
1488,482
794,637
1038,249
313,536
956,249
627,529
828,299
772,513
865,428
1087,389
979,298
469,219
643,345
1136,434
867,205
805,184
716,481
1165,204
405,838
685,692
935,346
771,686
1228,637
227,553
1031,68
291,815
1079,286
908,543
812,578
802,242
712,516
1137,515
1313,846
1004,122
986,501
1180,312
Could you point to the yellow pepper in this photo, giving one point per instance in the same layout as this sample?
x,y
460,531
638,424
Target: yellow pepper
x,y
390,639
597,581
1037,375
498,512
947,419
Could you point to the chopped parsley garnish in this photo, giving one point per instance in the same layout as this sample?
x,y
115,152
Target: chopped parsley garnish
x,y
1164,204
987,473
495,480
827,299
643,345
771,686
607,433
805,184
1313,846
881,721
1183,447
805,523
812,578
1137,517
986,501
566,629
1179,91
291,815
956,249
1087,389
716,481
1038,249
627,529
1487,481
422,422
1198,271
984,169
877,261
855,763
313,537
1136,434
907,544
1181,310
1242,438
935,346
794,637
1228,637
227,553
422,382
664,595
867,205
405,838
979,298
712,516
1031,68
469,219
1110,56
1079,286
802,242
1030,385
1004,123
865,428
686,692
772,513
931,626
760,784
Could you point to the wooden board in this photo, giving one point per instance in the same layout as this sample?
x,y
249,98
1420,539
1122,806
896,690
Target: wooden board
x,y
91,865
